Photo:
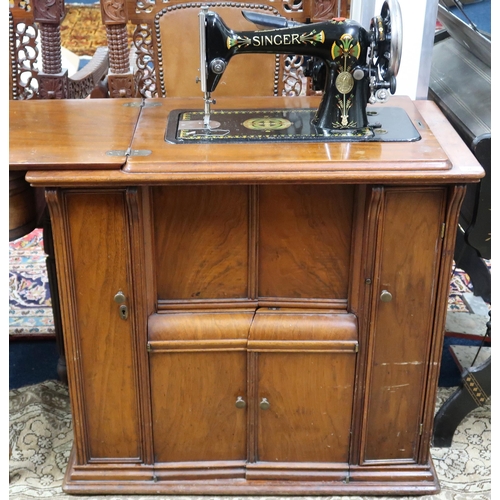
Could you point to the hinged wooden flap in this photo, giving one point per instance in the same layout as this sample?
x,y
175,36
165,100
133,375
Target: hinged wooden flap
x,y
207,325
71,134
293,325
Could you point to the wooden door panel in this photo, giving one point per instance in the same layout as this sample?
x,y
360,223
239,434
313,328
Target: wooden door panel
x,y
194,413
310,397
99,258
305,241
201,242
402,328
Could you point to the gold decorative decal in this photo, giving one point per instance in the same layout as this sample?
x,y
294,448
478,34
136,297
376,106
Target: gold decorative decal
x,y
266,123
344,82
238,41
347,48
343,54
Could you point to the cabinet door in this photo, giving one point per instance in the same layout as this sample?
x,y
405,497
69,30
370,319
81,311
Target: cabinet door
x,y
402,322
198,386
199,406
94,264
304,406
302,368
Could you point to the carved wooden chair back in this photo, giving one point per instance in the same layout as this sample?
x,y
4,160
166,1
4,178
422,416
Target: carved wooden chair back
x,y
165,53
35,65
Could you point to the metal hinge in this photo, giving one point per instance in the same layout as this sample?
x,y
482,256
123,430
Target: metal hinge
x,y
129,152
148,347
142,104
443,229
356,348
421,430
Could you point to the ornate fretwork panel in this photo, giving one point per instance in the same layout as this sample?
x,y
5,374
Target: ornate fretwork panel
x,y
23,53
293,5
294,81
145,76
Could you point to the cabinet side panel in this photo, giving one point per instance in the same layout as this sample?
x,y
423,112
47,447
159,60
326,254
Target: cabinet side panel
x,y
402,327
98,241
201,242
305,241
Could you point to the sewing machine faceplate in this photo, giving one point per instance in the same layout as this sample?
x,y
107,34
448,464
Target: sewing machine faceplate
x,y
386,124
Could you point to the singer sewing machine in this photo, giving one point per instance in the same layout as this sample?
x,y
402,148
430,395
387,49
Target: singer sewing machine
x,y
353,66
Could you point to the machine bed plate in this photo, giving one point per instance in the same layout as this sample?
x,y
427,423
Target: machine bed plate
x,y
386,124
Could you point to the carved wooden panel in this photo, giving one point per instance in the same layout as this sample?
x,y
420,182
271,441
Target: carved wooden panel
x,y
53,86
49,11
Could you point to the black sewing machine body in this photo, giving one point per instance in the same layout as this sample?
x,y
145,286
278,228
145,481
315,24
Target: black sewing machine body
x,y
341,44
353,66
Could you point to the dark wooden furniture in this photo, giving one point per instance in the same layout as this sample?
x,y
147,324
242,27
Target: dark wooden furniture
x,y
164,58
242,319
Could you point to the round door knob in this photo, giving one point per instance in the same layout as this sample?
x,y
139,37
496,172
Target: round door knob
x,y
264,404
240,402
386,296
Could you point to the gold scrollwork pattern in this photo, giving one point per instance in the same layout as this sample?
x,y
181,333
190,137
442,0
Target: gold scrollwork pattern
x,y
145,75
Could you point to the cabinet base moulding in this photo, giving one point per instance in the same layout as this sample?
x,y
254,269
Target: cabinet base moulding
x,y
256,479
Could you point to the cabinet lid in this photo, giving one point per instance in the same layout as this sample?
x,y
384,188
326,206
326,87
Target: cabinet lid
x,y
71,134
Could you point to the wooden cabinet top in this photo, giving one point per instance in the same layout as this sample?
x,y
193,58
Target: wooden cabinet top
x,y
114,141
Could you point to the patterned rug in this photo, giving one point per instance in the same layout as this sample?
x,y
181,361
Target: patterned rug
x,y
41,435
30,308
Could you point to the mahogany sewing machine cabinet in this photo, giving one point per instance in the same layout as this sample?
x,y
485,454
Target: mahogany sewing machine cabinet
x,y
246,318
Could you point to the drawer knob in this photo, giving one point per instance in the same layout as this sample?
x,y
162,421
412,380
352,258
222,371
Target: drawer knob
x,y
264,404
240,402
386,296
120,298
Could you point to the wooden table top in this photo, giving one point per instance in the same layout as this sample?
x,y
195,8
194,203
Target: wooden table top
x,y
81,142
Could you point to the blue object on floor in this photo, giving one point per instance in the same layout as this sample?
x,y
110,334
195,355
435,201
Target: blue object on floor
x,y
32,361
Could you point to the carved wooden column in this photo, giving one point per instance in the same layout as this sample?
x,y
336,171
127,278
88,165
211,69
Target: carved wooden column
x,y
53,80
120,77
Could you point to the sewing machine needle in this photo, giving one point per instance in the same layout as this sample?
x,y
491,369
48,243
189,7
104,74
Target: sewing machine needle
x,y
206,117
